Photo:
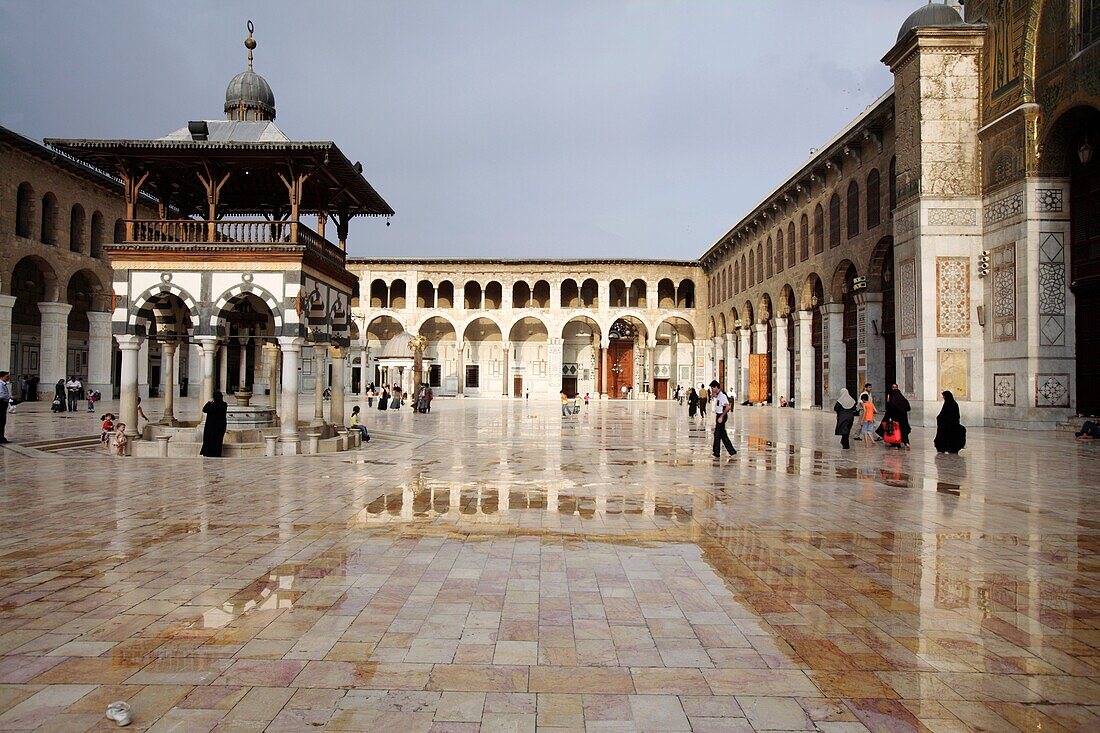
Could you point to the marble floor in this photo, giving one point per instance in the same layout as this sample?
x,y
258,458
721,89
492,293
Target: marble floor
x,y
494,566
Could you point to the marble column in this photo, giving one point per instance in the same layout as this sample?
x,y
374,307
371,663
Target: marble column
x,y
673,356
194,365
271,364
744,335
208,346
872,346
143,368
834,332
223,368
605,346
460,363
782,358
168,362
364,374
291,348
129,345
336,402
242,371
99,351
52,358
650,366
733,366
804,392
7,302
505,389
318,385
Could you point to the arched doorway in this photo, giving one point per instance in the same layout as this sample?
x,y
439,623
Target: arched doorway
x,y
248,321
850,328
580,353
440,356
82,288
378,333
526,365
622,339
817,337
482,342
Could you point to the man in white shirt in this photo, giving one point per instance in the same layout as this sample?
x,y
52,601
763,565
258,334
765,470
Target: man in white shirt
x,y
721,414
5,400
72,390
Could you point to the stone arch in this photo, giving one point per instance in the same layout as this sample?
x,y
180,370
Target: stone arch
x,y
590,293
491,317
769,258
809,285
569,293
379,293
425,294
722,328
217,317
376,313
733,319
841,280
630,313
471,295
874,266
713,327
134,316
162,312
1057,144
398,294
666,293
536,316
435,313
765,310
445,294
521,294
494,295
50,290
616,293
120,231
582,316
636,294
685,293
540,294
787,300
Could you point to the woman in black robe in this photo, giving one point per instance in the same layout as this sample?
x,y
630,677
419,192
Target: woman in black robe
x,y
897,409
384,400
60,397
693,402
950,434
213,430
845,409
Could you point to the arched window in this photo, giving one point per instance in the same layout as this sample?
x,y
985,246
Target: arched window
x,y
853,209
779,250
791,253
759,264
804,237
120,230
49,219
752,268
24,211
819,230
736,278
892,184
874,215
744,274
76,229
769,259
97,235
834,221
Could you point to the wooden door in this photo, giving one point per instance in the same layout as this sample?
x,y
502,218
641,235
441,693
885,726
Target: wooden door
x,y
759,377
661,389
517,386
621,357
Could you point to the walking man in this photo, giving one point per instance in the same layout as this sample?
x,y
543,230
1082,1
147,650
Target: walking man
x,y
72,388
721,414
5,400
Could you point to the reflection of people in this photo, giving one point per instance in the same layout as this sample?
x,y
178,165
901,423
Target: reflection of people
x,y
721,415
213,431
950,434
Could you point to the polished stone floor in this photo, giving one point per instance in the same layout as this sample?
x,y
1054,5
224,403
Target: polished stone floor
x,y
494,566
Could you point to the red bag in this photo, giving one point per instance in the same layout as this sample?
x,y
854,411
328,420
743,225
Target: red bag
x,y
891,434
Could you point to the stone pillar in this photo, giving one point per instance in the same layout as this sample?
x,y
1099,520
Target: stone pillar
x,y
781,355
319,385
834,333
55,346
505,378
554,351
143,368
242,371
460,362
744,335
650,366
168,363
129,345
223,368
336,402
291,348
804,385
733,367
872,347
194,365
271,362
673,358
364,372
99,351
605,346
208,346
6,304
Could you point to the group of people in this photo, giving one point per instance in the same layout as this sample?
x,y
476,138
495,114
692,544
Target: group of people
x,y
572,405
113,435
893,429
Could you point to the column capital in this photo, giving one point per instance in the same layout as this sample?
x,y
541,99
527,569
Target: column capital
x,y
759,327
169,347
337,352
54,309
833,307
291,343
651,343
805,316
863,297
93,316
129,341
7,301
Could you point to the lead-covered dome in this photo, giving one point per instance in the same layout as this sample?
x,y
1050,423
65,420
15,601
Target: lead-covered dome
x,y
931,15
249,97
398,347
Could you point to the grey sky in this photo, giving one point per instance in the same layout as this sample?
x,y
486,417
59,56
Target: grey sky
x,y
495,129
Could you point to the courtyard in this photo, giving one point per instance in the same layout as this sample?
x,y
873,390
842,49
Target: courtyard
x,y
495,566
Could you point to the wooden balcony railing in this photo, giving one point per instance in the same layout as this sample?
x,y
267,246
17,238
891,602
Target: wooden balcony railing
x,y
233,232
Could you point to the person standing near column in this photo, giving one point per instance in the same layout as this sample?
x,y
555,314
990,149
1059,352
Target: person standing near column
x,y
73,388
5,400
721,415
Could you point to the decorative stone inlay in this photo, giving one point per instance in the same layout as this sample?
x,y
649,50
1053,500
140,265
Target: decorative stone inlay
x,y
1004,208
1049,199
1052,390
908,366
954,368
952,217
1052,289
953,296
905,224
907,291
1004,293
1004,390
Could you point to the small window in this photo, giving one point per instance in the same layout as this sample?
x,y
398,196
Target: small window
x,y
435,374
853,209
472,374
873,203
834,221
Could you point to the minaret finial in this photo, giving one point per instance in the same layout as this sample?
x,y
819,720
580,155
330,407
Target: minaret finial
x,y
250,43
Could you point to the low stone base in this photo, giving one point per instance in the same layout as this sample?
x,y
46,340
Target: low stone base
x,y
186,441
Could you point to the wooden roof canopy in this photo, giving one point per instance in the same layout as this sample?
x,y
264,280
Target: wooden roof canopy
x,y
253,177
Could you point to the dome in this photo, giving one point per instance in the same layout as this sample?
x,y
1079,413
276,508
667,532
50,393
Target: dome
x,y
398,347
249,97
933,14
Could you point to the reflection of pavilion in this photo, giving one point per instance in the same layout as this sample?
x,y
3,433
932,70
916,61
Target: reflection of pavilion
x,y
228,263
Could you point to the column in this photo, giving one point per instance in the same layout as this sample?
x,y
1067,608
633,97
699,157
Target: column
x,y
291,348
804,394
364,371
782,356
55,346
208,346
554,353
194,365
717,347
744,335
319,385
242,372
6,304
168,364
99,350
872,346
336,403
504,369
605,345
650,366
223,368
143,368
673,365
733,366
834,333
271,363
460,362
129,345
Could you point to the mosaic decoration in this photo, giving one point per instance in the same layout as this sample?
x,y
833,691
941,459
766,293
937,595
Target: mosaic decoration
x,y
1052,289
952,217
1004,208
953,296
954,369
907,297
1050,199
1004,293
1052,390
905,224
908,381
1004,390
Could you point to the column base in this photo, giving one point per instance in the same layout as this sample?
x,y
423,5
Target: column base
x,y
169,421
289,445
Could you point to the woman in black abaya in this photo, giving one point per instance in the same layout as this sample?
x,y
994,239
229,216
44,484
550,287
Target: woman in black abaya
x,y
213,431
897,409
950,434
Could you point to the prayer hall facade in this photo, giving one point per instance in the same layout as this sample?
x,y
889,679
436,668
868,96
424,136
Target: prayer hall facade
x,y
947,239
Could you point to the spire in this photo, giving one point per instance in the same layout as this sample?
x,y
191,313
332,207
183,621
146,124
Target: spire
x,y
250,43
248,96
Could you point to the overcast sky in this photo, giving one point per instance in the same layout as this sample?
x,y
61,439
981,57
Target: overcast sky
x,y
521,128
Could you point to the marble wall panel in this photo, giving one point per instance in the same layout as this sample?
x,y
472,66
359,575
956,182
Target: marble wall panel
x,y
1052,390
1004,292
1052,289
907,298
953,296
954,372
1004,390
